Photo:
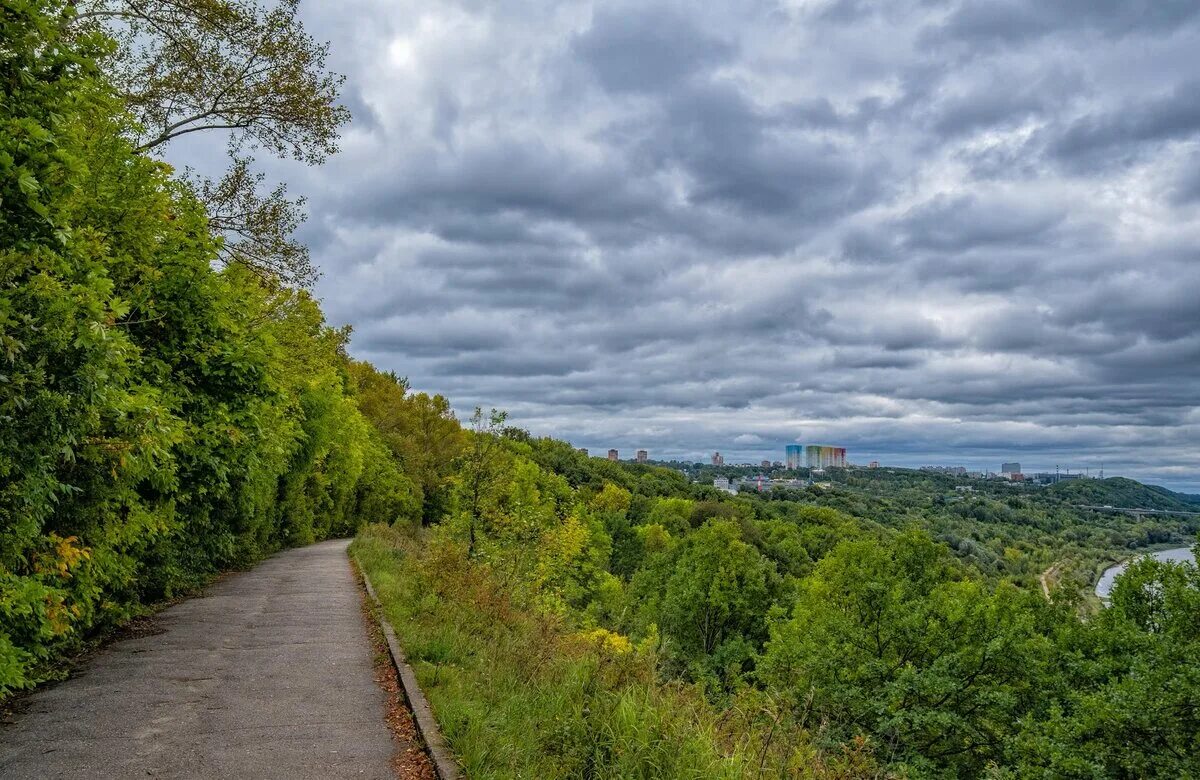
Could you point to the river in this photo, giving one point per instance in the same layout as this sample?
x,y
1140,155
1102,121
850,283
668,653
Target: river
x,y
1109,577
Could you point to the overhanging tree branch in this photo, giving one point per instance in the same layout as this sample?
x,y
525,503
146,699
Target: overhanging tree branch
x,y
237,67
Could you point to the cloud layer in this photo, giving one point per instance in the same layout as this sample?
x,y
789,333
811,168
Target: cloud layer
x,y
930,231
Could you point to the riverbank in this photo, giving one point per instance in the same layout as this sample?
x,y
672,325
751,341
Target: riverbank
x,y
1107,579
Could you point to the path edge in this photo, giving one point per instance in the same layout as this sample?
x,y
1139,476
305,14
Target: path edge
x,y
444,764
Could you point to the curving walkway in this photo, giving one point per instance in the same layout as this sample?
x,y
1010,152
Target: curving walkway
x,y
268,674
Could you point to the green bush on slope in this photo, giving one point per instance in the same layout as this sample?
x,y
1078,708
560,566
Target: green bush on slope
x,y
519,695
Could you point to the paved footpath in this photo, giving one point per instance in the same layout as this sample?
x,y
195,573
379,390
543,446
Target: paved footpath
x,y
268,674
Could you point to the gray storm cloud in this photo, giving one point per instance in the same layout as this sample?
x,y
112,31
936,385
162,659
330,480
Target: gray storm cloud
x,y
930,231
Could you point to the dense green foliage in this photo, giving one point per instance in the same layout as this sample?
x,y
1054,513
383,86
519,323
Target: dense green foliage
x,y
886,625
159,421
518,697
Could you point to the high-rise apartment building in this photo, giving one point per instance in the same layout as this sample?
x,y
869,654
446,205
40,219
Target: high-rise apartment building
x,y
612,455
642,456
793,456
1010,468
718,459
817,456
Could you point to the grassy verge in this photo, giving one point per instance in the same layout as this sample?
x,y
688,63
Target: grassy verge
x,y
410,759
519,696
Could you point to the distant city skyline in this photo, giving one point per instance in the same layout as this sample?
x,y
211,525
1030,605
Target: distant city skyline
x,y
989,462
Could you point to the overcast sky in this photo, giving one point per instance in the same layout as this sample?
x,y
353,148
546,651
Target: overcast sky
x,y
941,232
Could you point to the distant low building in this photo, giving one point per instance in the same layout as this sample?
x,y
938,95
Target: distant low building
x,y
1050,477
759,483
957,471
642,456
613,455
873,464
583,451
722,483
766,464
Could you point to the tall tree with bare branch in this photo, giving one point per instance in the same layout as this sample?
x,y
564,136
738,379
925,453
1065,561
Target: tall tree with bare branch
x,y
243,69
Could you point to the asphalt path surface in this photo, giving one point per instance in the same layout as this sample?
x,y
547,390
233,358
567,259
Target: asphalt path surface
x,y
268,673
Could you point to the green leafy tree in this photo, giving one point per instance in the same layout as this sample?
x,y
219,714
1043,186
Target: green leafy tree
x,y
891,640
673,514
481,470
715,599
382,398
